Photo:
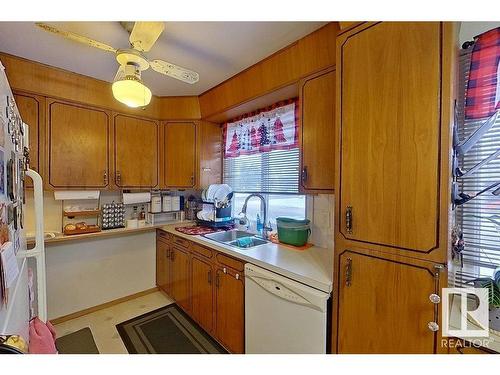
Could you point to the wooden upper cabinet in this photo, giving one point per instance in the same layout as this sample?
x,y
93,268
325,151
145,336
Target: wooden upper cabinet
x,y
32,111
179,150
384,306
209,137
230,310
389,117
317,106
77,146
135,152
202,296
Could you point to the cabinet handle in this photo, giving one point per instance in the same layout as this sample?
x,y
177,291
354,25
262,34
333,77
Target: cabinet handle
x,y
433,326
348,219
105,178
303,175
118,177
192,180
348,272
434,298
210,276
237,276
172,255
168,253
217,280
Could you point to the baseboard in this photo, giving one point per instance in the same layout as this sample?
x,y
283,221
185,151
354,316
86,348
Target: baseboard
x,y
102,306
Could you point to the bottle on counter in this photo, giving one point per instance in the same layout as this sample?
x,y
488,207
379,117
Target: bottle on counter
x,y
135,214
142,217
167,203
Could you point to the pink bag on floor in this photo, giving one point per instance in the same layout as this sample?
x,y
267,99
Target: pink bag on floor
x,y
42,337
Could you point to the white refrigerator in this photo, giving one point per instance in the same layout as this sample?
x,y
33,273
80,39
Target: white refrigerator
x,y
26,293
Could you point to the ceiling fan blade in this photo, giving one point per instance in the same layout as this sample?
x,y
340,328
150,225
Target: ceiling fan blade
x,y
76,37
145,34
174,71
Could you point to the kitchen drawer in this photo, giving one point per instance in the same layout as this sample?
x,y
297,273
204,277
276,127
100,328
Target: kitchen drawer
x,y
181,242
230,262
164,235
207,253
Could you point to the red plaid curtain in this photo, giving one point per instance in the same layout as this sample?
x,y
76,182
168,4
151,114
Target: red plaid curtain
x,y
272,128
483,88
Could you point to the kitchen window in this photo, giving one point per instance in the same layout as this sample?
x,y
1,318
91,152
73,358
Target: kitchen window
x,y
479,218
261,155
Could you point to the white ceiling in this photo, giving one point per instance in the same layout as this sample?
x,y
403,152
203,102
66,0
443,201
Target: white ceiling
x,y
216,50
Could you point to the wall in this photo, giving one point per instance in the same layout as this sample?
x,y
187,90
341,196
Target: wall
x,y
320,212
83,274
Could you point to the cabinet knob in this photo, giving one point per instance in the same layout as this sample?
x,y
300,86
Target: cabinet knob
x,y
433,326
434,298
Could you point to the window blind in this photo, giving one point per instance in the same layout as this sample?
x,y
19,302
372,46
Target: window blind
x,y
482,236
274,172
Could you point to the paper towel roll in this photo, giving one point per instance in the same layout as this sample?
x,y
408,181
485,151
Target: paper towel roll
x,y
133,198
76,194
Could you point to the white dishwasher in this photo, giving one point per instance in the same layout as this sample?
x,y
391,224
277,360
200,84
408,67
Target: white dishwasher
x,y
282,315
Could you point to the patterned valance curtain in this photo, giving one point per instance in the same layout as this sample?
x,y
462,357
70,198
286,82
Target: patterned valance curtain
x,y
483,87
273,128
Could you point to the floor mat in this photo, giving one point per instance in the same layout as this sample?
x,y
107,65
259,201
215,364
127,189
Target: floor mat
x,y
167,330
79,342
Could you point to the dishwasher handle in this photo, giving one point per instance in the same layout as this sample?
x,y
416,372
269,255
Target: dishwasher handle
x,y
279,290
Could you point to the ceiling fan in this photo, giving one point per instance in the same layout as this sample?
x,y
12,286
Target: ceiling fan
x,y
128,87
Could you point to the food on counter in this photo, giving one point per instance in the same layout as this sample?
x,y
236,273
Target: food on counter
x,y
81,225
69,227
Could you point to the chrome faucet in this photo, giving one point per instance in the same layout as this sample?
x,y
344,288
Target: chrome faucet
x,y
263,210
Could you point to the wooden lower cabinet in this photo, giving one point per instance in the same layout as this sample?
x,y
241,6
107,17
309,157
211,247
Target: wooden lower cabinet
x,y
207,285
180,277
230,310
202,293
383,304
163,266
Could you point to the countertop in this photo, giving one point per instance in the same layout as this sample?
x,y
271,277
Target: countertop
x,y
104,233
313,266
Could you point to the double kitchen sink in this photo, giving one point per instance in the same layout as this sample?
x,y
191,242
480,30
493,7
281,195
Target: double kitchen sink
x,y
237,238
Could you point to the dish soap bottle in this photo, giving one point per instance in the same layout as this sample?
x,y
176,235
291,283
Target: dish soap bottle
x,y
260,225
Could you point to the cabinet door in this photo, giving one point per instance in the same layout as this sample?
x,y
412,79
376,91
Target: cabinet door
x,y
210,154
230,310
384,306
136,152
202,293
180,277
32,111
179,154
390,133
163,266
318,133
78,139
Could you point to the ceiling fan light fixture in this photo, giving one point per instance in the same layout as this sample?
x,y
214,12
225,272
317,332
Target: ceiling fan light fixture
x,y
131,91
